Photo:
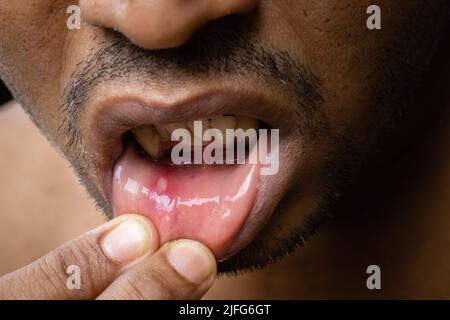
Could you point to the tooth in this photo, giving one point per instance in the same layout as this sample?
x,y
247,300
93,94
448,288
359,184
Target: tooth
x,y
148,138
163,132
205,126
223,123
174,126
245,123
190,126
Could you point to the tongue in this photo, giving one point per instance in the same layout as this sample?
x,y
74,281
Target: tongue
x,y
205,203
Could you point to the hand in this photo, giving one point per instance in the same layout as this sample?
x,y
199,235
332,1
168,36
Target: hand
x,y
119,260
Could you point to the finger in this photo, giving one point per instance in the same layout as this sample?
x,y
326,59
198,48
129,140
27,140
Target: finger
x,y
183,269
96,258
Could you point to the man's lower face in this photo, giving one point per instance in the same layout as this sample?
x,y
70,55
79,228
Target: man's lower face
x,y
324,81
124,117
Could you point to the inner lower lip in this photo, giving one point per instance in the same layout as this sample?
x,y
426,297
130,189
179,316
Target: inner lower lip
x,y
209,204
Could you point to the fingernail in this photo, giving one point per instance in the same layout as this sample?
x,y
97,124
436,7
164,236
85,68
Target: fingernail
x,y
126,242
192,261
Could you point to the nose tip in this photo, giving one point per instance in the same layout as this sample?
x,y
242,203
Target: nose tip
x,y
159,24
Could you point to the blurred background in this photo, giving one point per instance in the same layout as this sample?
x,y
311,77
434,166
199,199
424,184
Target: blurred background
x,y
38,192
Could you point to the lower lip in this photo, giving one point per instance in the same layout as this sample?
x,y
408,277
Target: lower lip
x,y
209,204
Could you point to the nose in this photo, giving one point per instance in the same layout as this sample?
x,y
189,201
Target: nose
x,y
159,24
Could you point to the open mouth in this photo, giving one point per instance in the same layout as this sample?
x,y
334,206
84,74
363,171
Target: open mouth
x,y
205,202
224,206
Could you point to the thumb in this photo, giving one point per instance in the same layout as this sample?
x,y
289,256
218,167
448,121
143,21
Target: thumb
x,y
182,269
99,256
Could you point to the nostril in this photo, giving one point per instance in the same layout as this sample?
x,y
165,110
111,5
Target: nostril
x,y
162,24
223,8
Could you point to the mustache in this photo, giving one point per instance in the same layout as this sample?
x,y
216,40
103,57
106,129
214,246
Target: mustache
x,y
216,50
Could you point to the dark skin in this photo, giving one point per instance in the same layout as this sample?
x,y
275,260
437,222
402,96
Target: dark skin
x,y
338,263
361,110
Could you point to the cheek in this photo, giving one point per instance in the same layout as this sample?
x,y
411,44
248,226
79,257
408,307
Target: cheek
x,y
78,45
331,39
31,43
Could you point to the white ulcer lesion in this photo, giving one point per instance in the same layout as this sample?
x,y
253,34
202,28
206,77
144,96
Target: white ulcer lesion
x,y
161,185
152,137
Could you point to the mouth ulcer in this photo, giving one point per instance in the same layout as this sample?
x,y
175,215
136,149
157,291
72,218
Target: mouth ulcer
x,y
208,203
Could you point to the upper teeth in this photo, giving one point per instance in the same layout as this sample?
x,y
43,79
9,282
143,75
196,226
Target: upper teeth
x,y
148,138
151,137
